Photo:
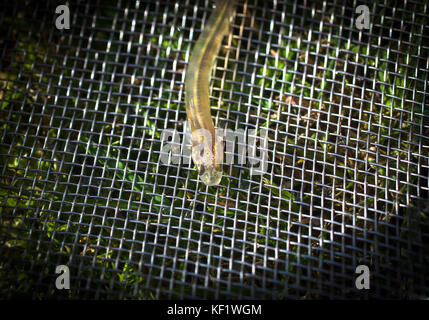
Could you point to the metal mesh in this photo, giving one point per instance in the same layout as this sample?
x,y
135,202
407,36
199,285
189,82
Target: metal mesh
x,y
82,184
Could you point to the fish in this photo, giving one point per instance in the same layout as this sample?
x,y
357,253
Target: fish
x,y
207,148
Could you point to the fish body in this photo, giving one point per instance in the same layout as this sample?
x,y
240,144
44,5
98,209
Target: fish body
x,y
207,149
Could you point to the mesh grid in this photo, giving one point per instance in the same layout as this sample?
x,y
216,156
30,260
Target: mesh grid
x,y
82,184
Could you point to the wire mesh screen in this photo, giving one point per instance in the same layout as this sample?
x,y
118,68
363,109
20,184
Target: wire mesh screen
x,y
345,182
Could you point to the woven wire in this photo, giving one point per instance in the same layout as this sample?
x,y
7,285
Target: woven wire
x,y
82,184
